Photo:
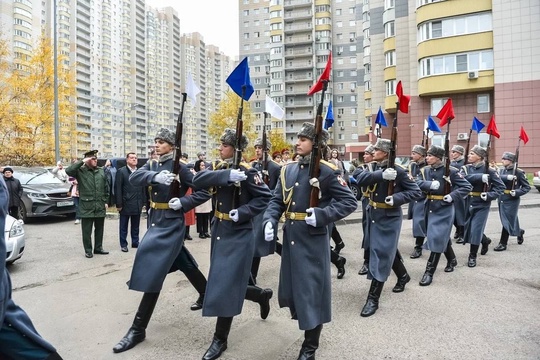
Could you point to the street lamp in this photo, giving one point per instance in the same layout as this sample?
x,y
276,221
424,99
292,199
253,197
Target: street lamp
x,y
131,107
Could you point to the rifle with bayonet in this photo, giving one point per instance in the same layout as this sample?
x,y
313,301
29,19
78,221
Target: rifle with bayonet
x,y
316,152
265,176
238,147
174,188
392,152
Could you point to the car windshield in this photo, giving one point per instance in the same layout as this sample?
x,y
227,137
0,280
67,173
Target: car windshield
x,y
35,176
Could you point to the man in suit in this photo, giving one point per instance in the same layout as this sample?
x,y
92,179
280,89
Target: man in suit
x,y
129,202
19,338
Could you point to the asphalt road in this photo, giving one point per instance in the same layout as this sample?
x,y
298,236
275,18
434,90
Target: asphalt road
x,y
83,306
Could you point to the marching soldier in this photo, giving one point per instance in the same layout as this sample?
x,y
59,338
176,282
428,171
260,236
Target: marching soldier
x,y
304,285
417,208
516,186
460,205
240,194
487,186
384,218
162,249
367,166
440,210
271,174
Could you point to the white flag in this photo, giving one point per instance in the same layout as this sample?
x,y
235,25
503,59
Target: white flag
x,y
192,90
273,109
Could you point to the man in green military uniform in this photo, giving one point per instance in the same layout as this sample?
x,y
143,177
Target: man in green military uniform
x,y
93,195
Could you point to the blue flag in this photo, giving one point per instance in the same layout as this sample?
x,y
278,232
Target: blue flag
x,y
477,125
380,118
239,79
432,125
329,121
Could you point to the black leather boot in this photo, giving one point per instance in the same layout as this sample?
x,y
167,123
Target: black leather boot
x,y
137,331
503,242
372,302
472,256
255,264
485,244
365,267
311,343
339,262
197,279
460,232
520,237
431,266
260,296
401,272
450,257
417,252
336,236
219,341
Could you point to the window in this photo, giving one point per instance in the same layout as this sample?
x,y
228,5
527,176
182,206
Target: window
x,y
483,139
469,24
482,103
354,123
390,87
389,4
450,64
338,11
437,104
389,29
339,24
438,140
246,12
390,58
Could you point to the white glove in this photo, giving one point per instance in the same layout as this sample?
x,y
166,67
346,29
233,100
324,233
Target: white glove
x,y
435,184
485,178
164,177
58,163
389,200
483,196
237,175
310,219
447,198
389,174
510,177
233,214
175,204
513,193
268,232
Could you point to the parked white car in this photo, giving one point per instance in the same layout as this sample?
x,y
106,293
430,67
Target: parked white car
x,y
15,239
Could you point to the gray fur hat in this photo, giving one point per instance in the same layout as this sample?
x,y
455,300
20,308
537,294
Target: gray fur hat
x,y
229,138
437,151
259,142
459,149
419,149
383,145
480,151
369,149
308,131
165,135
507,155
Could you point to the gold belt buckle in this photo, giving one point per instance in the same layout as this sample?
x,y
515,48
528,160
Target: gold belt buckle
x,y
292,216
220,216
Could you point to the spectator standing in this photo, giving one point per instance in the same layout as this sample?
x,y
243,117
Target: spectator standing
x,y
15,192
110,174
75,196
93,197
203,211
129,201
60,172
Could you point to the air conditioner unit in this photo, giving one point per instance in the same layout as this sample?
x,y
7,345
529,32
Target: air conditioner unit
x,y
339,52
342,128
472,75
339,116
462,136
351,39
352,90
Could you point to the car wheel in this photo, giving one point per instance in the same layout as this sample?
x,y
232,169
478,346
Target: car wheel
x,y
356,191
22,213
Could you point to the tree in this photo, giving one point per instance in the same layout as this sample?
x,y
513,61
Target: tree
x,y
27,108
278,141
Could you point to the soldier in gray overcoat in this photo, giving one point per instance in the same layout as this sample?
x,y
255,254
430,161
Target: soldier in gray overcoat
x,y
239,196
162,249
262,247
304,282
440,215
384,219
19,338
460,205
487,186
516,185
417,208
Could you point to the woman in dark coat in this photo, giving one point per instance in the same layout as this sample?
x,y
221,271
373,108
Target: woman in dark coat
x,y
15,191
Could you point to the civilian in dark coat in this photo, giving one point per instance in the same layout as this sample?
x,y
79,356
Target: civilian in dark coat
x,y
432,180
239,196
162,249
384,219
19,338
15,191
129,202
516,185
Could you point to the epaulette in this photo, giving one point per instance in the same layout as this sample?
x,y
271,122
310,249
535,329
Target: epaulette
x,y
329,164
272,160
520,169
453,167
246,165
183,161
401,166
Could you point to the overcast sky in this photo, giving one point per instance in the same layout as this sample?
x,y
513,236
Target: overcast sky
x,y
215,20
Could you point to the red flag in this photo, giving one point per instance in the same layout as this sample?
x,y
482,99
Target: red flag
x,y
492,128
447,113
324,76
403,100
523,135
